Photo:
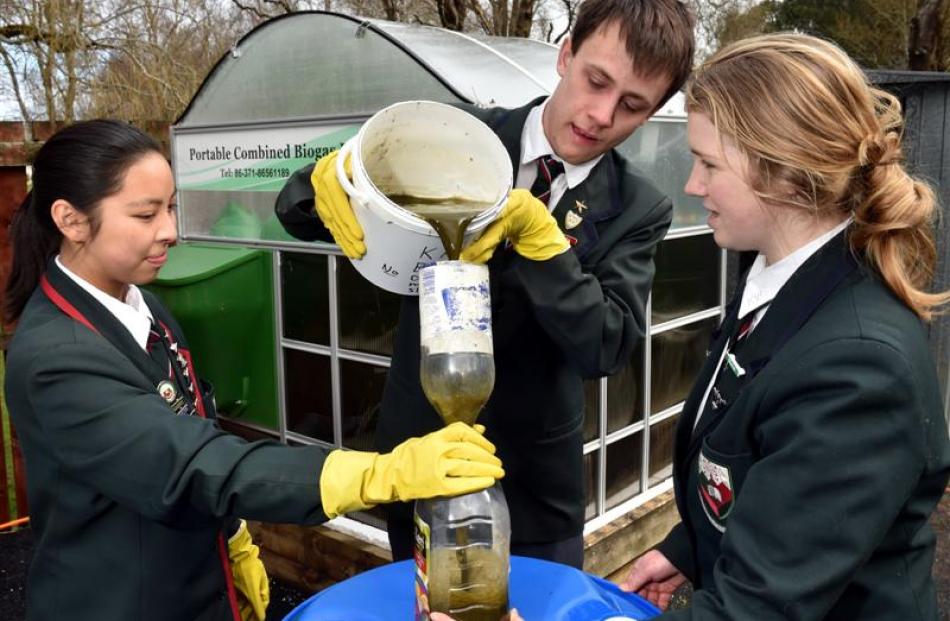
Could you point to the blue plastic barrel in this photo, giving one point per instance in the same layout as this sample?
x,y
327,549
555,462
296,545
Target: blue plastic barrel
x,y
540,590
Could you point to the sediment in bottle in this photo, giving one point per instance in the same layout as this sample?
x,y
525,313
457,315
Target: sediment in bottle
x,y
482,594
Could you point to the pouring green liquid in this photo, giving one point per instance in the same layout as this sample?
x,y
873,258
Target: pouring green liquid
x,y
449,217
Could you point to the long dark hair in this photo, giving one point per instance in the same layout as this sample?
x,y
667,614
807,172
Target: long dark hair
x,y
81,164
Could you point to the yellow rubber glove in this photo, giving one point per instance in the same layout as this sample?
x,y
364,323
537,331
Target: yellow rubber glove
x,y
333,207
250,577
527,223
452,461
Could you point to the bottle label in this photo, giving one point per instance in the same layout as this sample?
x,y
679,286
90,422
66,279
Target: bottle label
x,y
422,557
455,308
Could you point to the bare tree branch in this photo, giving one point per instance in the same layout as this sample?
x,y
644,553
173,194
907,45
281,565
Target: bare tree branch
x,y
924,36
484,23
251,9
571,7
21,102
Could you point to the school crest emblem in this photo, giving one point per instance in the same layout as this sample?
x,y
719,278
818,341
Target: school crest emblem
x,y
167,391
716,494
572,220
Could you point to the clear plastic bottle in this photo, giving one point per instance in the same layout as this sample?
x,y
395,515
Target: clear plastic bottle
x,y
462,543
462,547
457,367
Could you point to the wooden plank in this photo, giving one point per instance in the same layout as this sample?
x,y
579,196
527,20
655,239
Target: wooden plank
x,y
932,137
927,153
303,578
936,120
328,555
912,102
935,165
615,546
12,193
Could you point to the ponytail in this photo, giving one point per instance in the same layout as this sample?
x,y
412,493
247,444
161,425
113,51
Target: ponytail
x,y
894,215
34,243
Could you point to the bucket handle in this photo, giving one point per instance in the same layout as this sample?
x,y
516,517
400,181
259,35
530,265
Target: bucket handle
x,y
348,187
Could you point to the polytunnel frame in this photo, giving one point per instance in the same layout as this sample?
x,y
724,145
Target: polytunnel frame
x,y
361,24
181,128
336,353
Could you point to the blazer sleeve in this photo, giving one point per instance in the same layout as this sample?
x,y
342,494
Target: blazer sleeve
x,y
295,208
106,431
678,550
843,447
596,313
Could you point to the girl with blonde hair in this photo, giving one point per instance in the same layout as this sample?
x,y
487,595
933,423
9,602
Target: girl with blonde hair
x,y
813,446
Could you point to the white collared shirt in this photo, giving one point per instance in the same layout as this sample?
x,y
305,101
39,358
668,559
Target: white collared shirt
x,y
762,284
133,313
534,144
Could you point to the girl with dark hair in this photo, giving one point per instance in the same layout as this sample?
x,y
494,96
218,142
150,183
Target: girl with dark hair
x,y
813,446
134,490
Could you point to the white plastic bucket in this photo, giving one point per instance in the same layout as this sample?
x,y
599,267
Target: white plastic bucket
x,y
418,148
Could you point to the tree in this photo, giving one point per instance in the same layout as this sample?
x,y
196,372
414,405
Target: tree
x,y
506,18
45,51
145,59
928,32
738,24
878,34
722,21
141,59
155,58
873,32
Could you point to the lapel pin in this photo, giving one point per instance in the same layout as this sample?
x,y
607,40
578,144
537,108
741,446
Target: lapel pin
x,y
572,220
167,391
734,365
580,207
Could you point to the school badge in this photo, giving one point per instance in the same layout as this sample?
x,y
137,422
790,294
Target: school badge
x,y
572,220
167,391
714,483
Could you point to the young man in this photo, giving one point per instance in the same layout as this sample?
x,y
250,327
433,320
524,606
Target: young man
x,y
569,294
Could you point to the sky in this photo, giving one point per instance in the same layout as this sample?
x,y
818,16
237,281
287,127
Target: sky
x,y
8,108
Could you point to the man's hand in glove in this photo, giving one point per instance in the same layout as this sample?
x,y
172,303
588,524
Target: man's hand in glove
x,y
527,224
333,207
452,461
250,578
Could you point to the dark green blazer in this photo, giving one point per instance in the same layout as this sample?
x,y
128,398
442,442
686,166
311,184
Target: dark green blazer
x,y
555,323
807,495
128,500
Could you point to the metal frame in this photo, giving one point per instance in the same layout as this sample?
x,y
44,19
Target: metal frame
x,y
647,492
602,515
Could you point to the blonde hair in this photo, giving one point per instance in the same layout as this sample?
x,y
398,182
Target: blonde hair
x,y
819,137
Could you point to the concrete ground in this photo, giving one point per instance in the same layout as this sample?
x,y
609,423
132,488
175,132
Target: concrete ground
x,y
16,547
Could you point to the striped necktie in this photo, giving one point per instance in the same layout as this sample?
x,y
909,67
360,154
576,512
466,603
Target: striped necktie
x,y
745,326
157,351
163,349
548,170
